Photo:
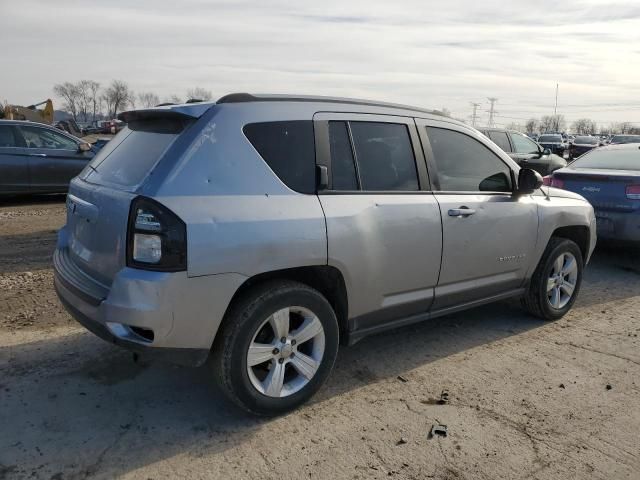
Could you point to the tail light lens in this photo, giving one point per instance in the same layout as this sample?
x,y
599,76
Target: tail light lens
x,y
156,237
633,192
546,180
556,182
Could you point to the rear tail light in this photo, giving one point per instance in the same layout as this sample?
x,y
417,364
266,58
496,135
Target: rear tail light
x,y
546,180
556,182
633,192
156,237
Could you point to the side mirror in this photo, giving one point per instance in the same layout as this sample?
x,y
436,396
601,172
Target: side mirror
x,y
84,147
528,181
546,152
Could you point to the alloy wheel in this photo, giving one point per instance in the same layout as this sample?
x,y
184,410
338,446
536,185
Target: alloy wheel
x,y
562,280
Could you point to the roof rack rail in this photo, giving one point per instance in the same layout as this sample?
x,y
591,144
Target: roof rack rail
x,y
247,97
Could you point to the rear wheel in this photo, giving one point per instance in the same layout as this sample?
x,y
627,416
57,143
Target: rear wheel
x,y
276,348
556,281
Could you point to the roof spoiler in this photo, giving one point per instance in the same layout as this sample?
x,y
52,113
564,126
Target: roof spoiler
x,y
176,112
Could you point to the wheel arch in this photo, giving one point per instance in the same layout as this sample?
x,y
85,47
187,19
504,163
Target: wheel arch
x,y
326,279
577,233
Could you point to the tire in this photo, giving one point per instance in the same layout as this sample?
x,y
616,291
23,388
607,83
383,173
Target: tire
x,y
540,300
293,371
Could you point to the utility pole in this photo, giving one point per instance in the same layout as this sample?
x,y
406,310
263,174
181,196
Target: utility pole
x,y
474,117
492,111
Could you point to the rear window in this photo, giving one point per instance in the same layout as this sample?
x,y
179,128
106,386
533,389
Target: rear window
x,y
586,140
610,159
625,139
550,138
289,149
131,154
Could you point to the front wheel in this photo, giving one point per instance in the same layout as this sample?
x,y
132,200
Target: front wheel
x,y
556,281
277,347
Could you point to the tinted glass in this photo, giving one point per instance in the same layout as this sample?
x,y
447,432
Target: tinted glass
x,y
289,149
130,155
586,140
500,139
6,137
385,156
609,159
522,144
626,139
43,138
466,165
343,171
550,138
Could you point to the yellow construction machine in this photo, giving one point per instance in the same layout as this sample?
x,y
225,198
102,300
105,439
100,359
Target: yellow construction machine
x,y
31,113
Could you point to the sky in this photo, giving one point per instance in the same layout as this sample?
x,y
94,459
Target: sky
x,y
432,54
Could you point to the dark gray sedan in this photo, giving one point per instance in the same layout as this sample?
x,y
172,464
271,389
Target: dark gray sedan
x,y
37,158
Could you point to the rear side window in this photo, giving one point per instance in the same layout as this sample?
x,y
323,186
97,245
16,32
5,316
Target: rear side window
x,y
343,170
500,139
466,165
384,155
289,149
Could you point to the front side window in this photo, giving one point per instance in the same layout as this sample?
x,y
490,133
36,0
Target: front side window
x,y
384,155
43,138
500,139
466,165
522,144
289,149
7,138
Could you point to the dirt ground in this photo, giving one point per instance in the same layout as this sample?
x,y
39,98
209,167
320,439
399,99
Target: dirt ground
x,y
526,399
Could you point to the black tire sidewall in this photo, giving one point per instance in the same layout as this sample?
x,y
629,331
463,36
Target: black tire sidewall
x,y
566,246
257,313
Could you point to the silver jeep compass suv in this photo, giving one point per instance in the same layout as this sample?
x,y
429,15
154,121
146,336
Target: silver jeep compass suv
x,y
262,231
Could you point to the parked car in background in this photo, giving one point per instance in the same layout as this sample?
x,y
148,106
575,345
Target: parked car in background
x,y
525,151
609,178
554,142
296,227
620,139
37,158
583,144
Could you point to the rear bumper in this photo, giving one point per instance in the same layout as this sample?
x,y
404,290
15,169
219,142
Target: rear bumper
x,y
184,313
623,226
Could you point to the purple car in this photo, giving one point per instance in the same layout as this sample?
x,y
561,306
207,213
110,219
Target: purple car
x,y
609,178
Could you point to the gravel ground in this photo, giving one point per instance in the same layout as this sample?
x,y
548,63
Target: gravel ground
x,y
526,399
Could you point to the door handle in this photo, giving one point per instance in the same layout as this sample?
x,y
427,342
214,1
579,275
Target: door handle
x,y
37,154
461,212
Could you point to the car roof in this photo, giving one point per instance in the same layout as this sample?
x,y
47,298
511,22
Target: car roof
x,y
5,121
621,146
197,109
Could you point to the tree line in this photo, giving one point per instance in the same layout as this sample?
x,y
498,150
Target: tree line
x,y
582,126
88,100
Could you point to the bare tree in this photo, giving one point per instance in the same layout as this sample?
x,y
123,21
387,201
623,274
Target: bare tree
x,y
70,95
172,99
552,123
94,95
584,126
117,96
199,93
148,99
532,126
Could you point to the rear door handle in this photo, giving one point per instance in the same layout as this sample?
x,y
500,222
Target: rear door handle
x,y
37,154
461,212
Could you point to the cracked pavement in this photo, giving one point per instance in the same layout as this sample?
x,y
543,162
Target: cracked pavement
x,y
527,399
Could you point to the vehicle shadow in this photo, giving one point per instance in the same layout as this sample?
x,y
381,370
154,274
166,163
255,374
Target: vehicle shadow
x,y
75,406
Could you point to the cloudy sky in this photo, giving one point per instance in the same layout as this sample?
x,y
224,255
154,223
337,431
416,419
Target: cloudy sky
x,y
427,53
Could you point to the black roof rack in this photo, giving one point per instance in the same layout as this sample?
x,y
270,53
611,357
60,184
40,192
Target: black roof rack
x,y
247,97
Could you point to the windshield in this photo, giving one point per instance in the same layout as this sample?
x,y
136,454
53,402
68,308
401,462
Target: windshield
x,y
626,139
586,140
550,138
609,159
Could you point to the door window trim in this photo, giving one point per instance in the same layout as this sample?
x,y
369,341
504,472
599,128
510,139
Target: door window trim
x,y
321,121
422,125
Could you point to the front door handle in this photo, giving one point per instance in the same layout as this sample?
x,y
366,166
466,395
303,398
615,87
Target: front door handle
x,y
461,212
37,154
